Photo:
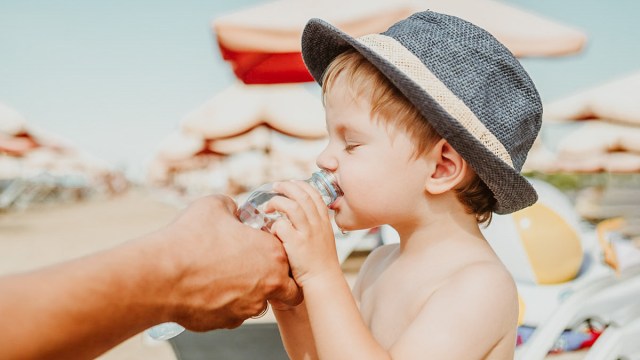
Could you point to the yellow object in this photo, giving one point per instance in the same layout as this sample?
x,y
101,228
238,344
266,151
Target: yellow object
x,y
552,245
603,228
521,309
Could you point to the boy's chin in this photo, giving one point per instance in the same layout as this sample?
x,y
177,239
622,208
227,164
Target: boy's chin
x,y
348,225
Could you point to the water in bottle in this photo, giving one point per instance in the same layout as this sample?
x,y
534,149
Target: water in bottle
x,y
252,211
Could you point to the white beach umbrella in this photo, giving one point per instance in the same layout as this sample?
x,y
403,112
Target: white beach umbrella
x,y
11,121
592,146
597,129
233,111
293,110
10,167
255,139
180,145
616,101
596,137
288,108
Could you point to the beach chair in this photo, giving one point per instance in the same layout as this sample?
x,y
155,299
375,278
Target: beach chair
x,y
619,340
561,295
37,188
11,192
599,296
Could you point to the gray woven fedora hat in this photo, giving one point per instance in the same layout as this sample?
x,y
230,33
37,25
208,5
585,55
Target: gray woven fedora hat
x,y
469,87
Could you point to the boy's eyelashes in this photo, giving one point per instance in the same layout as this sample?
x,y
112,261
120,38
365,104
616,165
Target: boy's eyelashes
x,y
350,147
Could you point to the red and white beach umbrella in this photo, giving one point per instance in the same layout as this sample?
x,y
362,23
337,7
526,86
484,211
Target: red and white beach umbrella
x,y
262,43
11,121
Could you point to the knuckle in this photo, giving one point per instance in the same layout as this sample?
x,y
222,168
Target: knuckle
x,y
276,284
272,282
280,257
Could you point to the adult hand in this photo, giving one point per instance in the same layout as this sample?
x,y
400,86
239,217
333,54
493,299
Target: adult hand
x,y
226,271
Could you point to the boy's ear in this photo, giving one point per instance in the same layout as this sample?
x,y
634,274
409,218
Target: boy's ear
x,y
447,169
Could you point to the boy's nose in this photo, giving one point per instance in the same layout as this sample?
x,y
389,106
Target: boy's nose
x,y
326,161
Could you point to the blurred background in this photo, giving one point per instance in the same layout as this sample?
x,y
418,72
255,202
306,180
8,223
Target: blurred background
x,y
95,71
113,115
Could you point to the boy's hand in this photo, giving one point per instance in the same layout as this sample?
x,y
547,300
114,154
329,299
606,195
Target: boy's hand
x,y
307,236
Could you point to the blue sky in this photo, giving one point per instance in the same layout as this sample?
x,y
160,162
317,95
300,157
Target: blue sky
x,y
116,77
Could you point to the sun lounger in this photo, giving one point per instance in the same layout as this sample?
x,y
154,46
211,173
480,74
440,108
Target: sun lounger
x,y
12,192
619,340
561,297
598,296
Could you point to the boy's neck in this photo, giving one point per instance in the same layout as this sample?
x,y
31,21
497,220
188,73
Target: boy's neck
x,y
442,218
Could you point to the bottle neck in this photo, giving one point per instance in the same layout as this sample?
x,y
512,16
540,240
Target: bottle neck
x,y
325,182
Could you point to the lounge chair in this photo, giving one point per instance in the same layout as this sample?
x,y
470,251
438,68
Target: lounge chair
x,y
553,305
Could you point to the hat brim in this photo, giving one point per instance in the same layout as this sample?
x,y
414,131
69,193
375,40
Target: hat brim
x,y
322,42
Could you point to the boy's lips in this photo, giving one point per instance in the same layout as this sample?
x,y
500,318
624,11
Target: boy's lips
x,y
334,205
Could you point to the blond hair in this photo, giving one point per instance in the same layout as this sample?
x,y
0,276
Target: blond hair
x,y
392,107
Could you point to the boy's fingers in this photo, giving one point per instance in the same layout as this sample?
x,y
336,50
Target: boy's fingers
x,y
282,229
297,217
293,190
320,206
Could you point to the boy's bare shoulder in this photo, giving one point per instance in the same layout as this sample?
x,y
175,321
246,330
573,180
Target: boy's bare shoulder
x,y
481,276
373,264
381,252
378,257
487,286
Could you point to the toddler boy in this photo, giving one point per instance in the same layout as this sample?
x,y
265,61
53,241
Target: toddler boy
x,y
429,124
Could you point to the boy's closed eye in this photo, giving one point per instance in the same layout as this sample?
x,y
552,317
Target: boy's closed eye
x,y
350,147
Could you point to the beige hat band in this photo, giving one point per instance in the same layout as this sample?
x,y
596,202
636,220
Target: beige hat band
x,y
405,61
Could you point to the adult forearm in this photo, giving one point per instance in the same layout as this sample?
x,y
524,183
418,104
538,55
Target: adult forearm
x,y
338,328
81,308
296,333
205,270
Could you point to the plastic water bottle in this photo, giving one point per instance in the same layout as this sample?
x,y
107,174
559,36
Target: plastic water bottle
x,y
252,213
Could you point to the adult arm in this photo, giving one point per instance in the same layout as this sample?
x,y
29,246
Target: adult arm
x,y
205,270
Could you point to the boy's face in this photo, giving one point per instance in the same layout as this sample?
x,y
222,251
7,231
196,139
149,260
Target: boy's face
x,y
373,162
